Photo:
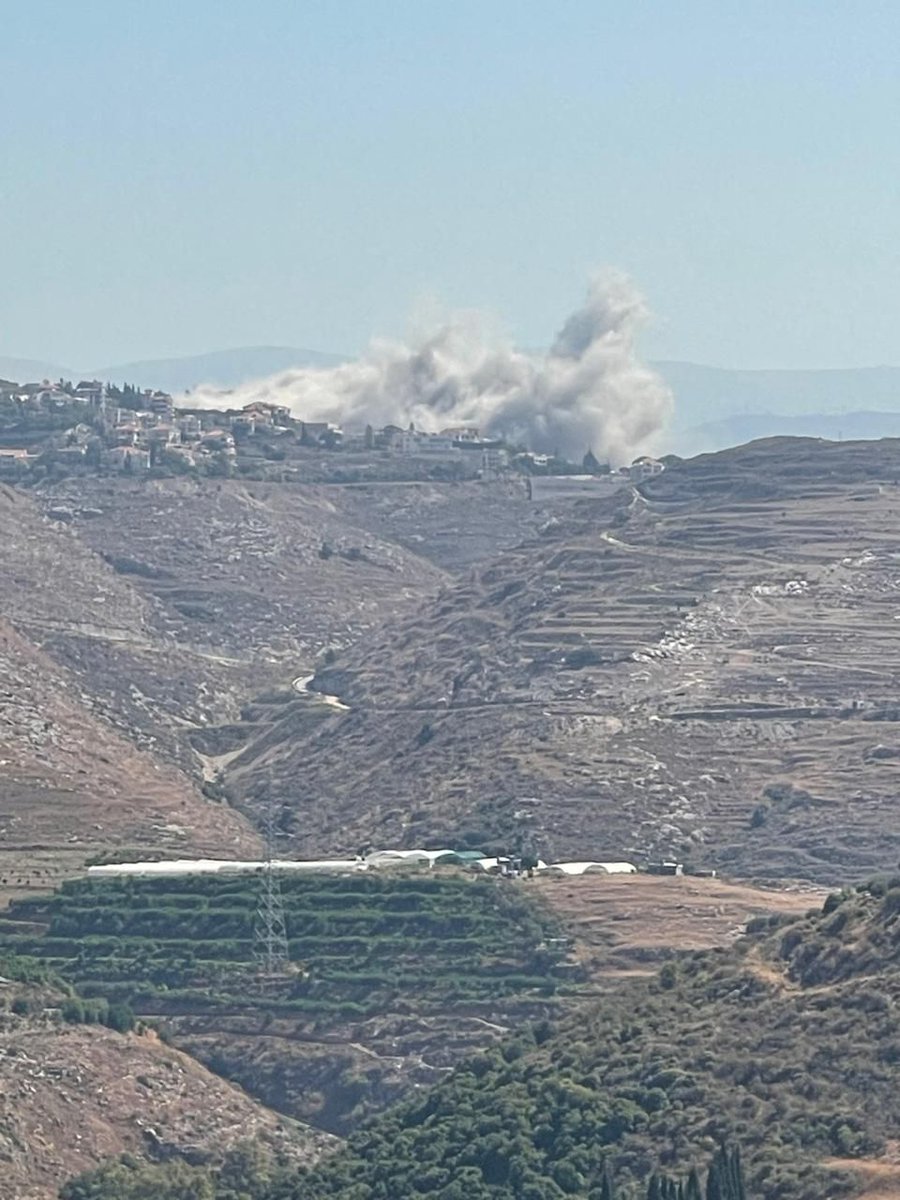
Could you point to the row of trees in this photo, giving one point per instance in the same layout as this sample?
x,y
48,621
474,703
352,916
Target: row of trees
x,y
248,1172
724,1181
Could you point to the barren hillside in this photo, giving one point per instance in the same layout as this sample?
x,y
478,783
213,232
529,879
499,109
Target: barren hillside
x,y
706,667
252,571
144,616
73,1095
85,681
73,784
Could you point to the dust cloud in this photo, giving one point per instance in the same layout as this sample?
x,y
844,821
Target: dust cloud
x,y
589,390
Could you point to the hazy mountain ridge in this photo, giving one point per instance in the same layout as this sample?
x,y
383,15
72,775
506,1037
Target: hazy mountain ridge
x,y
703,393
221,368
715,407
736,430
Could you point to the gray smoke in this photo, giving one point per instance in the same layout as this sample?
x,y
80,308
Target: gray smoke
x,y
590,390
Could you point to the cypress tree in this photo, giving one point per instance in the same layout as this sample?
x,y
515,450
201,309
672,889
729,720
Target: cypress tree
x,y
717,1177
607,1186
725,1180
692,1189
737,1174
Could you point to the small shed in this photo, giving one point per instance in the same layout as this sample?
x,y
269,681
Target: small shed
x,y
668,866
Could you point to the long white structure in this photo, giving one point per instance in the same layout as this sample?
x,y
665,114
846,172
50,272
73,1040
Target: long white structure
x,y
378,860
589,868
223,866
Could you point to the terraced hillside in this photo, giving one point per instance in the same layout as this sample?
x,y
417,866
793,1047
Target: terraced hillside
x,y
787,1044
707,666
394,978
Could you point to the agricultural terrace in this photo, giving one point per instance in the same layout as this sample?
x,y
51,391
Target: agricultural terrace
x,y
359,945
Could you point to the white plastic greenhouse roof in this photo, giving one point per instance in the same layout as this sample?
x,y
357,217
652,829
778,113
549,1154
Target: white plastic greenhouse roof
x,y
590,868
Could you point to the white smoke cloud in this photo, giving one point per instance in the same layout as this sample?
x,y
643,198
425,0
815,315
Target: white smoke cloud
x,y
590,389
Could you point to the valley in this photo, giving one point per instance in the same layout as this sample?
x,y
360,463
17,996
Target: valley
x,y
698,668
704,667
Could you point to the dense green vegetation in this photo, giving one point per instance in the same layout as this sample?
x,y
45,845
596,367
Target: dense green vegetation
x,y
359,945
247,1173
788,1042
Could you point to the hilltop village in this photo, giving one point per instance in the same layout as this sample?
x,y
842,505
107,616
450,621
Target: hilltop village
x,y
54,429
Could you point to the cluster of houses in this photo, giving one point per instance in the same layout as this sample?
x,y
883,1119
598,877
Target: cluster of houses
x,y
131,430
135,430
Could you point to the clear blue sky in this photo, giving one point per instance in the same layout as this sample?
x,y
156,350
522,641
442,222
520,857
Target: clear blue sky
x,y
186,176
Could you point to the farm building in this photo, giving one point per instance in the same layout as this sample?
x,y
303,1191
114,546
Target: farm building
x,y
588,868
381,859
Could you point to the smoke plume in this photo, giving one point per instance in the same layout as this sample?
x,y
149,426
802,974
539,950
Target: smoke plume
x,y
589,390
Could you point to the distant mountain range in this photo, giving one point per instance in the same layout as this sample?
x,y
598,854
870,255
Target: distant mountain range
x,y
715,406
736,431
222,368
704,394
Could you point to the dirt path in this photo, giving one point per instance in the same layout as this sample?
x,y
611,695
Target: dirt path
x,y
879,1177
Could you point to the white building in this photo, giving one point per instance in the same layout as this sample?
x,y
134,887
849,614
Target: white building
x,y
644,468
589,868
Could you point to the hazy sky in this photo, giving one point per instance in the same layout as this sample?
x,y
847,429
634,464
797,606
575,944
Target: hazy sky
x,y
182,177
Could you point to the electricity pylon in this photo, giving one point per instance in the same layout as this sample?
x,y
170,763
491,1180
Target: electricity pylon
x,y
270,948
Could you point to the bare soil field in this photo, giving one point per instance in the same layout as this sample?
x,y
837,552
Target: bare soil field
x,y
627,924
875,1178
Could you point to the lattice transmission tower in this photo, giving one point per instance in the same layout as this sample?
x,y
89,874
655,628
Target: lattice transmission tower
x,y
270,947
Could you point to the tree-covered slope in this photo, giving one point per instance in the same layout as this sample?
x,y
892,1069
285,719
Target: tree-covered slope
x,y
393,977
788,1044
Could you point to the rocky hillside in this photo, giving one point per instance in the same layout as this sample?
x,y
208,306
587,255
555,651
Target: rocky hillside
x,y
142,617
705,667
72,1095
262,573
72,783
90,694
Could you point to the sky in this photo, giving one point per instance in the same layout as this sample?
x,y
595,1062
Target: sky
x,y
183,177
